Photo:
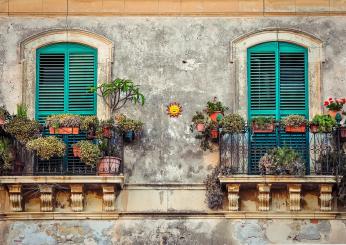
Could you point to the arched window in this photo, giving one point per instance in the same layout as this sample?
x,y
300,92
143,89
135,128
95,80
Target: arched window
x,y
277,87
64,74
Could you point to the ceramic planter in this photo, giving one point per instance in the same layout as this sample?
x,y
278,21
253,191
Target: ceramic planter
x,y
213,116
108,166
129,136
64,130
214,133
76,151
200,127
332,113
297,129
268,129
107,132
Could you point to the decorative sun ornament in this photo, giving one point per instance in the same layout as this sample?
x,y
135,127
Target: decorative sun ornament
x,y
174,109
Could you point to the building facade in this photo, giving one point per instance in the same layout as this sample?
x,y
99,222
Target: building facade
x,y
272,58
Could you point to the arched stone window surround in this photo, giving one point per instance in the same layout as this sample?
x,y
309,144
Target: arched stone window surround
x,y
238,57
28,49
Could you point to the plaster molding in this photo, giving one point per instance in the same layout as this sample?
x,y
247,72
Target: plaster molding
x,y
326,197
28,49
16,197
77,197
263,197
233,197
108,195
294,193
46,197
238,56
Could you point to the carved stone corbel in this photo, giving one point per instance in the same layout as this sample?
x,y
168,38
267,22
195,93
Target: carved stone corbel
x,y
47,192
263,196
294,195
326,197
108,197
15,193
77,197
233,197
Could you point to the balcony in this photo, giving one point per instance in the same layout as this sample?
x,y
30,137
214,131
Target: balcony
x,y
322,154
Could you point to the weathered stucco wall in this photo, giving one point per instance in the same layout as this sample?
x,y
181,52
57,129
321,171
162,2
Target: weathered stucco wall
x,y
212,231
182,59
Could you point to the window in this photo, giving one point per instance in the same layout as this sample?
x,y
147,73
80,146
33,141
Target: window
x,y
277,87
65,72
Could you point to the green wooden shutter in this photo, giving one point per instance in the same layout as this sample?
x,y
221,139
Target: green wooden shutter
x,y
277,78
65,73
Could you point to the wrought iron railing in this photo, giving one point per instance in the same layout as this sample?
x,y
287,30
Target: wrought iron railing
x,y
323,153
27,163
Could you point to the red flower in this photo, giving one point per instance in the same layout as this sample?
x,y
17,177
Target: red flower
x,y
330,99
339,101
343,100
326,103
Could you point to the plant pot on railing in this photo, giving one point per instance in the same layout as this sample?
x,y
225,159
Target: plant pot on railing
x,y
64,130
314,129
332,113
76,151
294,124
343,132
107,132
108,165
200,127
268,128
216,116
214,133
295,129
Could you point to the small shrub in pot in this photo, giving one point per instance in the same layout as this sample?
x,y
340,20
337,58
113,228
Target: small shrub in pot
x,y
47,147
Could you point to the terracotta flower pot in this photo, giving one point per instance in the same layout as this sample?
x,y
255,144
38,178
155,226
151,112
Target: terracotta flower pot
x,y
269,128
64,130
214,133
333,113
314,129
343,132
2,121
298,129
76,151
107,132
200,127
213,116
109,166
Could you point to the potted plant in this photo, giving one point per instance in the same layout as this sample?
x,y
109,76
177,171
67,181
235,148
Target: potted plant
x,y
282,161
232,123
3,115
47,147
23,129
7,154
214,130
334,106
129,127
88,152
64,124
109,163
89,124
263,124
105,128
215,109
199,121
294,124
322,124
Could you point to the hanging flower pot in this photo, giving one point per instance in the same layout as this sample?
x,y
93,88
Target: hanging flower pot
x,y
108,166
200,127
214,133
268,128
129,136
333,113
64,130
107,132
295,129
343,132
216,115
76,151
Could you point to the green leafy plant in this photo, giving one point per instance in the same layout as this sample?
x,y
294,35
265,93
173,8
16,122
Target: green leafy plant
x,y
23,129
7,155
294,121
262,122
215,105
89,152
126,124
232,123
325,123
214,195
198,118
279,161
89,122
47,147
22,111
117,93
3,112
64,120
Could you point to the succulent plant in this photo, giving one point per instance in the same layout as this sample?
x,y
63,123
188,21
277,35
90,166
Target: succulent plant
x,y
64,120
23,129
126,124
89,122
89,152
294,121
47,147
215,105
6,154
262,122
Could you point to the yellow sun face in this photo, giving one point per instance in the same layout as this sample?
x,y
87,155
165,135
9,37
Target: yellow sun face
x,y
174,109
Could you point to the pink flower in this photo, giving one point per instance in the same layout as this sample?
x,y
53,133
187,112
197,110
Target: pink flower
x,y
330,99
340,101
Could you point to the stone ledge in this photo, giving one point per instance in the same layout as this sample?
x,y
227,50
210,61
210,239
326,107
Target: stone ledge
x,y
58,216
269,179
285,215
63,180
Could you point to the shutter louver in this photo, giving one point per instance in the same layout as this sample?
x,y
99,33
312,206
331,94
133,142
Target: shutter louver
x,y
81,78
51,85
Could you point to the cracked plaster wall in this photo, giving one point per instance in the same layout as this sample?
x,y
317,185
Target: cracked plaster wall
x,y
256,232
182,59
